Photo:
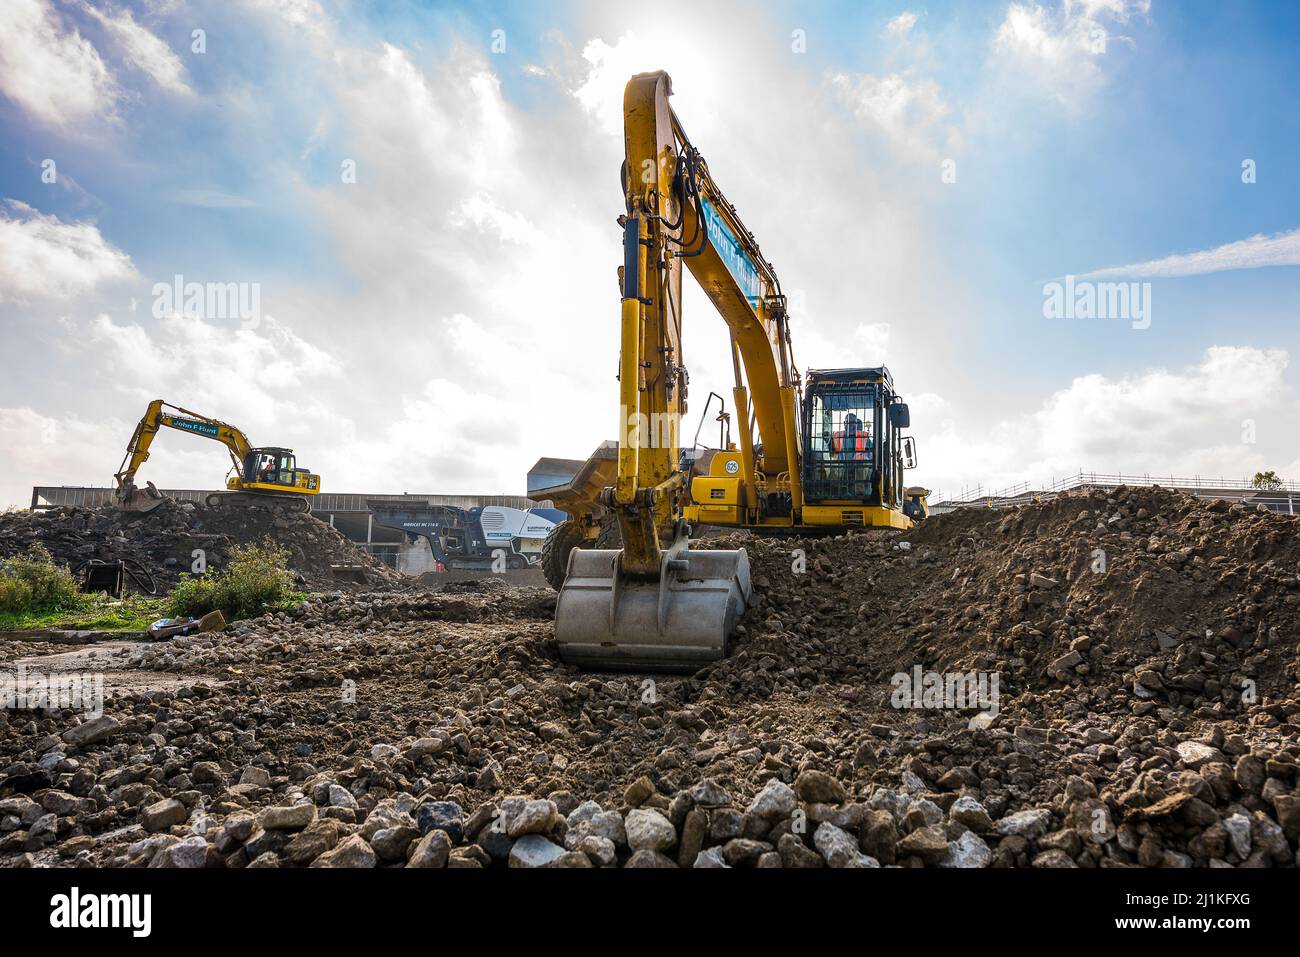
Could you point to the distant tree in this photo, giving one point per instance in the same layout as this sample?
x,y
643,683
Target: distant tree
x,y
1266,480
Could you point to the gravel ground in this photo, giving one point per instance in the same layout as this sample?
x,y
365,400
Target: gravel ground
x,y
1131,660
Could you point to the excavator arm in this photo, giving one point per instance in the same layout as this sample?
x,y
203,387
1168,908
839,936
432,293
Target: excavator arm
x,y
656,604
162,414
677,214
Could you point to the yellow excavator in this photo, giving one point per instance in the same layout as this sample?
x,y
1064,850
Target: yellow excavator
x,y
818,456
261,475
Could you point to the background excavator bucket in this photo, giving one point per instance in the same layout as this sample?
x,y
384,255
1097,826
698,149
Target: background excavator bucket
x,y
606,620
132,499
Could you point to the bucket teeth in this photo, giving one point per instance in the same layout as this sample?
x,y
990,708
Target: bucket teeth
x,y
606,620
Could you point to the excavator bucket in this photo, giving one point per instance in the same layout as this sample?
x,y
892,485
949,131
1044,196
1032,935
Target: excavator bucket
x,y
132,499
607,620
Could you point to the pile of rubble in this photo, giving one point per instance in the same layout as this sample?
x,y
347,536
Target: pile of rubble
x,y
1131,658
162,543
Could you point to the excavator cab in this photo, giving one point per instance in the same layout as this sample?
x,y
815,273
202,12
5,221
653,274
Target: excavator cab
x,y
840,463
274,467
269,467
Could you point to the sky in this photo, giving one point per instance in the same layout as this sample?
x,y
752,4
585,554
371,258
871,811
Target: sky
x,y
416,202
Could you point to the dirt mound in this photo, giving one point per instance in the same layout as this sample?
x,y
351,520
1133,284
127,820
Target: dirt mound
x,y
163,542
1106,680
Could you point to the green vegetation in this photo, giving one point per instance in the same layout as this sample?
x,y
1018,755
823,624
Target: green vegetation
x,y
1266,480
256,580
37,592
31,582
95,613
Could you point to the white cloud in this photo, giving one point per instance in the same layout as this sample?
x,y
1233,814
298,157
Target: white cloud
x,y
1159,422
212,361
42,257
56,75
1255,252
901,24
908,109
142,49
1058,53
44,449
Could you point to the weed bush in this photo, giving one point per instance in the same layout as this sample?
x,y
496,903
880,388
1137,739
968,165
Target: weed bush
x,y
33,582
256,580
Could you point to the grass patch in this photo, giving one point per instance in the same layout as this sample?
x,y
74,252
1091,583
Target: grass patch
x,y
256,580
96,613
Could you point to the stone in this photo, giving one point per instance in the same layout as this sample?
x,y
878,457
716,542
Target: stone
x,y
433,850
311,843
390,843
777,800
970,812
709,793
968,851
743,851
534,850
1288,814
1028,824
601,850
588,819
710,858
279,818
92,732
929,843
1249,774
649,830
340,796
255,776
1238,827
532,817
880,835
839,848
235,830
649,858
922,812
162,815
442,816
190,853
818,787
572,859
638,791
1193,754
1053,858
351,852
695,828
795,853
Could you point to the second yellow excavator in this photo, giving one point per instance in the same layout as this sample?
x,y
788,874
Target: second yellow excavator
x,y
820,455
262,475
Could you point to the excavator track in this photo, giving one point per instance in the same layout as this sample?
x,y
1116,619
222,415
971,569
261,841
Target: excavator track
x,y
291,503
